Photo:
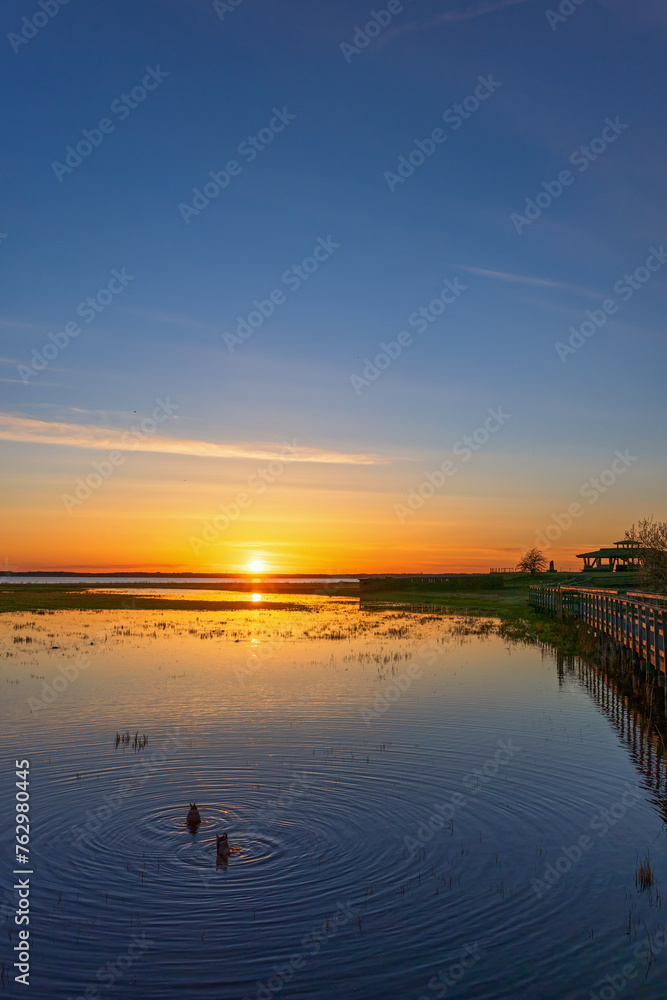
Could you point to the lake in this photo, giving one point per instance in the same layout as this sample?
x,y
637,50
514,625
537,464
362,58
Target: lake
x,y
415,809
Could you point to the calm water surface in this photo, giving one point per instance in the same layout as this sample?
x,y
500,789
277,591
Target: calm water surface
x,y
397,796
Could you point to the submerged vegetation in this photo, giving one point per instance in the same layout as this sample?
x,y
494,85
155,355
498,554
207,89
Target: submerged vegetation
x,y
125,738
644,876
452,613
504,611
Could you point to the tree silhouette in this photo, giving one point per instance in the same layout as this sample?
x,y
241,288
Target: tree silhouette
x,y
533,562
650,537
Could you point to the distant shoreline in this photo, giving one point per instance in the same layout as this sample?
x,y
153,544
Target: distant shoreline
x,y
144,574
189,575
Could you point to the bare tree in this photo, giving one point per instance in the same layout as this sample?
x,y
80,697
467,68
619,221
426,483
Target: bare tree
x,y
533,562
650,536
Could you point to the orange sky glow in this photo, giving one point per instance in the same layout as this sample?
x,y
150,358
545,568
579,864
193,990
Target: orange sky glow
x,y
177,513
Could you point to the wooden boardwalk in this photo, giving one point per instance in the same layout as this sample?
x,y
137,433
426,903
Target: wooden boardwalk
x,y
636,621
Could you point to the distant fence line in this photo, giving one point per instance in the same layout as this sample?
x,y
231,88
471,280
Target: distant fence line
x,y
637,621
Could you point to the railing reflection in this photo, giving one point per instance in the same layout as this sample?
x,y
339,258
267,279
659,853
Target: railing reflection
x,y
643,737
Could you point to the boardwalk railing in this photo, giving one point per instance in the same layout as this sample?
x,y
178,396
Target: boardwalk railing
x,y
637,621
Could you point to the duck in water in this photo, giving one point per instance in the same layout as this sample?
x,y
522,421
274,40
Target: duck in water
x,y
222,847
193,818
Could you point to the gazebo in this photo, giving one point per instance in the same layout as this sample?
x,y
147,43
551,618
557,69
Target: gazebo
x,y
623,558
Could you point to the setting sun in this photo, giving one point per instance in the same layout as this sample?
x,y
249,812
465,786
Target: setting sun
x,y
257,566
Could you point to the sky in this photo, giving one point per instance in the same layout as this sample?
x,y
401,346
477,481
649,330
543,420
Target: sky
x,y
215,218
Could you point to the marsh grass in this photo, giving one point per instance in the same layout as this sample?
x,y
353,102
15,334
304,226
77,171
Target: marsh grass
x,y
644,875
125,739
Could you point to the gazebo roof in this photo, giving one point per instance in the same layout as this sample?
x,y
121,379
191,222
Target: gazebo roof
x,y
618,553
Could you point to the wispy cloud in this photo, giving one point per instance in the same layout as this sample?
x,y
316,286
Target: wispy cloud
x,y
523,279
15,362
475,10
519,278
460,13
19,381
18,325
17,427
63,411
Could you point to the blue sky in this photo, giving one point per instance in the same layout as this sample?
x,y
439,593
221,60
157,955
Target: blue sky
x,y
322,176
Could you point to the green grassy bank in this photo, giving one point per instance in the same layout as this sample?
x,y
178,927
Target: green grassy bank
x,y
510,605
